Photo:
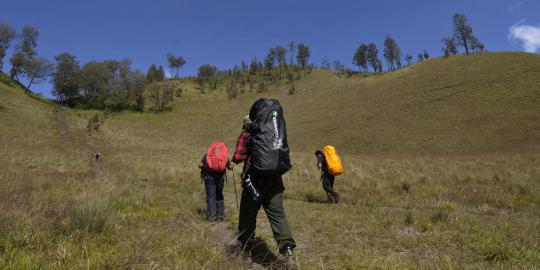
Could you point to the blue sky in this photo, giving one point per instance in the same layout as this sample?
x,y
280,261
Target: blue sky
x,y
223,33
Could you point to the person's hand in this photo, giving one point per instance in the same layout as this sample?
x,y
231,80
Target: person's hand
x,y
231,166
319,165
201,165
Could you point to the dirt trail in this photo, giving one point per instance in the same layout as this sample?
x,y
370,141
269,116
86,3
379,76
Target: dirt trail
x,y
77,141
224,236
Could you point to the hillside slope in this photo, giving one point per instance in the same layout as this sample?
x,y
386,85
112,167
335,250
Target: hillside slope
x,y
461,105
441,163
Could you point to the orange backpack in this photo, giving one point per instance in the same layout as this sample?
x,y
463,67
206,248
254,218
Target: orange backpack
x,y
335,167
216,157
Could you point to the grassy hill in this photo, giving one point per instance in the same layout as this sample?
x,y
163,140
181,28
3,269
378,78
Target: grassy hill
x,y
441,172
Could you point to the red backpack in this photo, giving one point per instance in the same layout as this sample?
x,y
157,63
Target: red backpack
x,y
216,157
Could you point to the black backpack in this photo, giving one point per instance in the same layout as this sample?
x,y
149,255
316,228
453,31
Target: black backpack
x,y
268,145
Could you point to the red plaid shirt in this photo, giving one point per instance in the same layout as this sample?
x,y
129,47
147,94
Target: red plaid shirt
x,y
241,152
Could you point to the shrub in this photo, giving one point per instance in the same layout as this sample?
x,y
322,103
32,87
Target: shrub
x,y
409,217
95,122
439,215
406,186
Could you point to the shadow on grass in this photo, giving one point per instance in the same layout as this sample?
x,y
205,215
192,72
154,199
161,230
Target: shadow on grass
x,y
261,253
201,212
310,198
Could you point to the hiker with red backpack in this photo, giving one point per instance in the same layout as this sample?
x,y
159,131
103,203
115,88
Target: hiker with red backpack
x,y
267,155
330,165
213,168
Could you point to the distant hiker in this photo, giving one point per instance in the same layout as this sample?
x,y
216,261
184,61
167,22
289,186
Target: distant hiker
x,y
97,154
213,165
330,165
268,159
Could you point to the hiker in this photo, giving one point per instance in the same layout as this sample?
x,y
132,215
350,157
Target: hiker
x,y
213,165
97,154
330,165
267,154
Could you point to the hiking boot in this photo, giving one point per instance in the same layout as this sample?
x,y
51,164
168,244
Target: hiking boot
x,y
329,198
336,197
287,258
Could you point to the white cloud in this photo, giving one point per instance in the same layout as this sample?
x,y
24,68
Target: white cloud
x,y
528,35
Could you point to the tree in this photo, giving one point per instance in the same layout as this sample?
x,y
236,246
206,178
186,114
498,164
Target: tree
x,y
66,76
360,57
281,59
37,70
292,51
462,31
161,74
449,46
476,45
152,75
373,57
339,67
161,94
124,68
325,64
24,52
175,63
17,62
253,66
136,82
205,72
303,55
270,59
392,53
426,55
94,80
28,41
409,59
7,33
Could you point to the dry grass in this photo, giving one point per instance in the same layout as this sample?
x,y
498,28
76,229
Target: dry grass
x,y
441,173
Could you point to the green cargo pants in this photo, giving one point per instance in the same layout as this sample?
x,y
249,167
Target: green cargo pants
x,y
272,202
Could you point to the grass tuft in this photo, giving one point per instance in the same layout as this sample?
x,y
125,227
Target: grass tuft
x,y
90,215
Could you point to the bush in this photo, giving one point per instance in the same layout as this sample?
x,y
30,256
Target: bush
x,y
440,215
89,215
406,186
409,217
95,122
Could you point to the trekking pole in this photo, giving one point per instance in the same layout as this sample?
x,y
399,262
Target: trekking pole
x,y
235,194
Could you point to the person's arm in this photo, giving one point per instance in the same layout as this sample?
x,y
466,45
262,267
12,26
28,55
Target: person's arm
x,y
320,160
203,161
240,150
230,165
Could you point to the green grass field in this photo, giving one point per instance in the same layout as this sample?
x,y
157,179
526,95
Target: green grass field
x,y
442,172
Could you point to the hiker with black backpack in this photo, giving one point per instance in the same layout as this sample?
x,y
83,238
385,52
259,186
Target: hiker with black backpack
x,y
330,165
213,168
268,159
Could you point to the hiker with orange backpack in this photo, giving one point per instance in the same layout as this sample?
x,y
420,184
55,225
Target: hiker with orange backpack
x,y
213,168
330,165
